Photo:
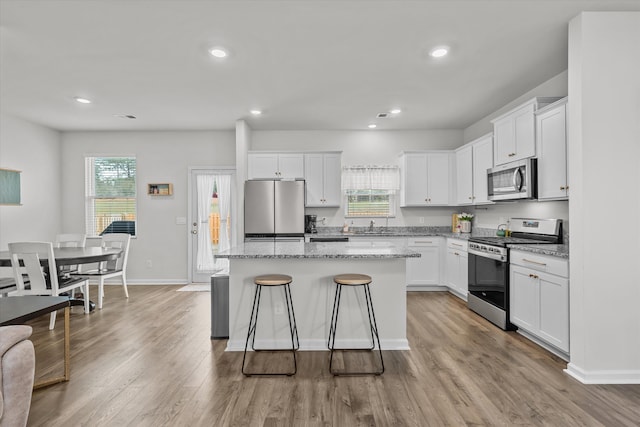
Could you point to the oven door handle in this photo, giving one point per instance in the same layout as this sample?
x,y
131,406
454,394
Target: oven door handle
x,y
497,257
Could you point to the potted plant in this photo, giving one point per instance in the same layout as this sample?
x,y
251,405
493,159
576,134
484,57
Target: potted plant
x,y
464,222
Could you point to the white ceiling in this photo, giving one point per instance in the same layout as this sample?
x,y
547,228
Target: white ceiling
x,y
306,64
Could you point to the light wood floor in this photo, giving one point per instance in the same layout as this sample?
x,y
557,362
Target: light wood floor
x,y
148,361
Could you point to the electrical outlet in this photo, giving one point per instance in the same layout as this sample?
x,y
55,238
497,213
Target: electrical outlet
x,y
149,264
421,219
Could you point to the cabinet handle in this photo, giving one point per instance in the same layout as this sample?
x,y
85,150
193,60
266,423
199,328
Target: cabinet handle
x,y
424,241
563,188
470,198
533,276
511,154
456,253
456,244
533,262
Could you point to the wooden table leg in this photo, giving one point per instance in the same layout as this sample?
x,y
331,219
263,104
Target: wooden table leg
x,y
67,356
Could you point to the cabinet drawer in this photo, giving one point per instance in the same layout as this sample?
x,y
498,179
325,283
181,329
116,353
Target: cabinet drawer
x,y
457,244
424,241
547,264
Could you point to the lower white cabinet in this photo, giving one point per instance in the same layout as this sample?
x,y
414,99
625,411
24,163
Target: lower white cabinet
x,y
457,267
539,298
424,271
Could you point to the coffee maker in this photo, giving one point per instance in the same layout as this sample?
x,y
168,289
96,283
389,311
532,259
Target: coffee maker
x,y
310,224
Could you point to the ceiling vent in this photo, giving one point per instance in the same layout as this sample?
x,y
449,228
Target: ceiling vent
x,y
382,115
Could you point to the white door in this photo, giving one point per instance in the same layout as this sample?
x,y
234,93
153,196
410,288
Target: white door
x,y
210,220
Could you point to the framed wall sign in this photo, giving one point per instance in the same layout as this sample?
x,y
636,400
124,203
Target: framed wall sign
x,y
9,187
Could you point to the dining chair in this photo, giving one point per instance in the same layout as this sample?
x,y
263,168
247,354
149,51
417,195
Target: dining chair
x,y
31,254
70,240
110,269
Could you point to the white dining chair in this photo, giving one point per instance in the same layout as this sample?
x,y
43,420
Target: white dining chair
x,y
110,269
70,240
31,253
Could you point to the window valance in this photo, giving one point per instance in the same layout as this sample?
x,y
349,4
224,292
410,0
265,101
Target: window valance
x,y
370,178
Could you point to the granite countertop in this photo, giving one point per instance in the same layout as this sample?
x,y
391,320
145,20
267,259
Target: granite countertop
x,y
334,250
560,251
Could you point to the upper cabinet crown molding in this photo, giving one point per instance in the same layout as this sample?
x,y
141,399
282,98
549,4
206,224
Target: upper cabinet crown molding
x,y
514,131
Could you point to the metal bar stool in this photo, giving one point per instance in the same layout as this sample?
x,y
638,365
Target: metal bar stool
x,y
353,280
272,280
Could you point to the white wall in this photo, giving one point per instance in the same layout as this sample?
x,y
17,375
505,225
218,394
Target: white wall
x,y
34,150
604,166
161,157
363,148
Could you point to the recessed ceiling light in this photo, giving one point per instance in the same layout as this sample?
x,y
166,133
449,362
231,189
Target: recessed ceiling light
x,y
372,126
218,52
82,100
256,112
396,111
439,52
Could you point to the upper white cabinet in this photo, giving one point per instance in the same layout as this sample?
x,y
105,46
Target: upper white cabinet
x,y
426,178
514,132
272,165
472,162
551,138
322,173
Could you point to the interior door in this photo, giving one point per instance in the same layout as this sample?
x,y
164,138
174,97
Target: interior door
x,y
210,224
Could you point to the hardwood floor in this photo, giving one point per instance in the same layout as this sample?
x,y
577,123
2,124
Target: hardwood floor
x,y
148,361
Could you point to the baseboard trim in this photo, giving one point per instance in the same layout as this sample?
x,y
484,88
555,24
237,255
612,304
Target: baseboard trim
x,y
318,344
426,288
603,377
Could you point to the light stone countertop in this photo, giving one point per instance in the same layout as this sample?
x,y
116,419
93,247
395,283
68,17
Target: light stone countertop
x,y
559,251
329,250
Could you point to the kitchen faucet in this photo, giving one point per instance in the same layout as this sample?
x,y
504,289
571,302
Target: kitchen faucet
x,y
371,225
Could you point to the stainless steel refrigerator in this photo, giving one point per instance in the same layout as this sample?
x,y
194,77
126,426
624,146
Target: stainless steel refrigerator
x,y
273,210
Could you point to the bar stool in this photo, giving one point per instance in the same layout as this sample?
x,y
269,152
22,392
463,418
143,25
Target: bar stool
x,y
353,280
272,280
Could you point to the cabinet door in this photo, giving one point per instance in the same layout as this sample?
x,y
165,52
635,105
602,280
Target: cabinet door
x,y
426,269
554,310
291,166
415,180
524,298
552,158
524,132
464,176
504,141
463,276
262,166
332,178
482,160
438,178
314,176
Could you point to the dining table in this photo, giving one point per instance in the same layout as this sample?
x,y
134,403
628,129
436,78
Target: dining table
x,y
71,256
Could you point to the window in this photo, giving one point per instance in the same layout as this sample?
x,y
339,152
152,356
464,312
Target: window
x,y
370,191
110,189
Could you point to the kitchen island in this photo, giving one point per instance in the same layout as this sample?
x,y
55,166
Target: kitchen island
x,y
312,266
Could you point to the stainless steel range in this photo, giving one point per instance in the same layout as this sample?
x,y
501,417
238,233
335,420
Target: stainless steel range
x,y
489,266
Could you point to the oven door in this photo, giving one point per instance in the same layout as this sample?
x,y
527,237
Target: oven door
x,y
488,280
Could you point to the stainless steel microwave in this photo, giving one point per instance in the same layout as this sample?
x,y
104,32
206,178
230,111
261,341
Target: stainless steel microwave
x,y
513,181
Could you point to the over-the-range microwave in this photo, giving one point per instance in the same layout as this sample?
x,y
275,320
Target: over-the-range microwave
x,y
513,181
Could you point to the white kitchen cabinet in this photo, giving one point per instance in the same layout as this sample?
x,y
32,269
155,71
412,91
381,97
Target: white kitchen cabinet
x,y
457,267
514,132
539,298
424,272
323,174
551,138
426,178
272,165
472,162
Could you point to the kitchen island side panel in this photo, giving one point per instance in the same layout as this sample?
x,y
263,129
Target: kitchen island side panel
x,y
313,293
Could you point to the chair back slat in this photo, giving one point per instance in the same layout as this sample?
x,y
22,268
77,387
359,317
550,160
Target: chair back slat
x,y
31,254
117,241
70,240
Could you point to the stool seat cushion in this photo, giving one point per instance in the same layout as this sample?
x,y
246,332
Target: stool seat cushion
x,y
352,279
272,280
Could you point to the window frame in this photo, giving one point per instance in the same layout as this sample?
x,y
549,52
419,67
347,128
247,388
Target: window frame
x,y
391,204
90,193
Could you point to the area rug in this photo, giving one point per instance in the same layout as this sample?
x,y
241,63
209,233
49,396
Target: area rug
x,y
195,288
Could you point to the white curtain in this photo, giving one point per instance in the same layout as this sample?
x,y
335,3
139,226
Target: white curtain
x,y
371,178
224,204
204,259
